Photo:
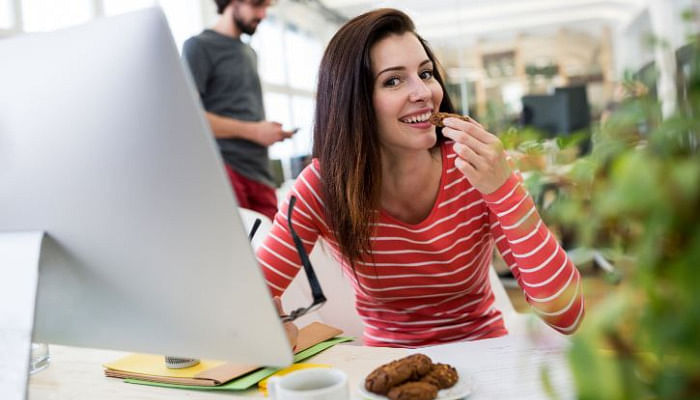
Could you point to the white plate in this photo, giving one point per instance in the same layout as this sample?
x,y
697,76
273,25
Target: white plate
x,y
460,390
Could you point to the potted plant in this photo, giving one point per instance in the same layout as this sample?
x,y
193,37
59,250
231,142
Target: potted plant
x,y
639,193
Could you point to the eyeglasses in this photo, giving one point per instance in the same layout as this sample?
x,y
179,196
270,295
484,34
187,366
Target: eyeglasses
x,y
318,297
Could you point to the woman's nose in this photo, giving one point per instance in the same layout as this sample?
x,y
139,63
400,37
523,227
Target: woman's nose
x,y
420,91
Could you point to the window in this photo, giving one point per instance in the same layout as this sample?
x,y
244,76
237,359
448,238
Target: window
x,y
184,18
48,15
303,58
303,114
267,42
7,12
114,7
288,62
512,93
277,109
288,58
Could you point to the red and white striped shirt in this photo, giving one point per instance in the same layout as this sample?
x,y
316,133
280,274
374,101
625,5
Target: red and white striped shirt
x,y
427,283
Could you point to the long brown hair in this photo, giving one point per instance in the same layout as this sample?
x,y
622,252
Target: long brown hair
x,y
345,136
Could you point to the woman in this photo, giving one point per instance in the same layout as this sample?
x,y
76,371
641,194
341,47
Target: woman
x,y
413,211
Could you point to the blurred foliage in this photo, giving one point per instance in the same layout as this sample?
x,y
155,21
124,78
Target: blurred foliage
x,y
513,138
493,118
637,196
638,193
547,71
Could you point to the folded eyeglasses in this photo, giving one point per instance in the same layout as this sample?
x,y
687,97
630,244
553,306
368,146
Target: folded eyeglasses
x,y
317,293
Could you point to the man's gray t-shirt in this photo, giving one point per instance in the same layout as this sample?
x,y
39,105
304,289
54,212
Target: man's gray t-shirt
x,y
225,71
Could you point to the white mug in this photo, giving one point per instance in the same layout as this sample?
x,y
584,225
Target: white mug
x,y
310,384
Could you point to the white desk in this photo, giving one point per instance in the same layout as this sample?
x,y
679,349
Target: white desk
x,y
503,368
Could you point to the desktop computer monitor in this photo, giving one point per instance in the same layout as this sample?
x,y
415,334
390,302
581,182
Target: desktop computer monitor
x,y
560,114
105,148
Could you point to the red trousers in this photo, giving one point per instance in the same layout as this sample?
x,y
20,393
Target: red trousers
x,y
253,195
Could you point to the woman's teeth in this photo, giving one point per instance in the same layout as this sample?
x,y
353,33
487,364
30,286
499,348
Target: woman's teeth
x,y
417,118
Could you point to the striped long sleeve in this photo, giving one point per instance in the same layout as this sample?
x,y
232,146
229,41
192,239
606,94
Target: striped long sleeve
x,y
427,283
550,281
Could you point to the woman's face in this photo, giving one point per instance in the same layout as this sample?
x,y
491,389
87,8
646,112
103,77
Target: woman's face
x,y
405,93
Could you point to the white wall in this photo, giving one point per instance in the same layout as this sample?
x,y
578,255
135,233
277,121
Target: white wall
x,y
630,46
631,53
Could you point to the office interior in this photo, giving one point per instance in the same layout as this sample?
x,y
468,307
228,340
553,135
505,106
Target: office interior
x,y
546,76
493,54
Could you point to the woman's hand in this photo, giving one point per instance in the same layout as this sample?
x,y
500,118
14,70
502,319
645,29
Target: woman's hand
x,y
289,328
480,155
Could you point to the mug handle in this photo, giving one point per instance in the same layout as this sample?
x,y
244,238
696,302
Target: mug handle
x,y
272,387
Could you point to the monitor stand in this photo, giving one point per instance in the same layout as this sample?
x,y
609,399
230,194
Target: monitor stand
x,y
19,274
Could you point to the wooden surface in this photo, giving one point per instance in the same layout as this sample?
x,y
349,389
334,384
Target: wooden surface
x,y
508,367
77,374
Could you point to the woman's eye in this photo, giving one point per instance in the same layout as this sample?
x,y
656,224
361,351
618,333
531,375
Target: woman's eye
x,y
426,74
391,81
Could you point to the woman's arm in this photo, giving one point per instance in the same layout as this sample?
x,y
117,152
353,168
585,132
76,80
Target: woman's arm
x,y
551,282
277,254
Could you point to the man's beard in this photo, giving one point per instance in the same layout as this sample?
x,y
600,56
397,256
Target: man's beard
x,y
246,27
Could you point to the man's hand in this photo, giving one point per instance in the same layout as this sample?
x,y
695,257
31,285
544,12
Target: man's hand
x,y
268,133
264,133
290,329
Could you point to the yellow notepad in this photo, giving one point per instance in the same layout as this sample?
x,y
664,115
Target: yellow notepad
x,y
151,364
150,367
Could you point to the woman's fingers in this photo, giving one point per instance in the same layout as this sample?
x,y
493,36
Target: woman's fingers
x,y
480,155
472,128
490,151
465,168
289,327
278,304
468,154
466,138
292,333
462,137
486,153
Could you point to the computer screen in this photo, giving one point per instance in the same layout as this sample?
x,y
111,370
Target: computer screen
x,y
543,112
104,146
564,112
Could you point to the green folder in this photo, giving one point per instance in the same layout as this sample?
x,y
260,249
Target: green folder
x,y
247,381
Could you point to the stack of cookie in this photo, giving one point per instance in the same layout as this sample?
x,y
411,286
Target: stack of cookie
x,y
415,377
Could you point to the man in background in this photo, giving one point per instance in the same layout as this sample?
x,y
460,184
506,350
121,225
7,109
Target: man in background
x,y
225,72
